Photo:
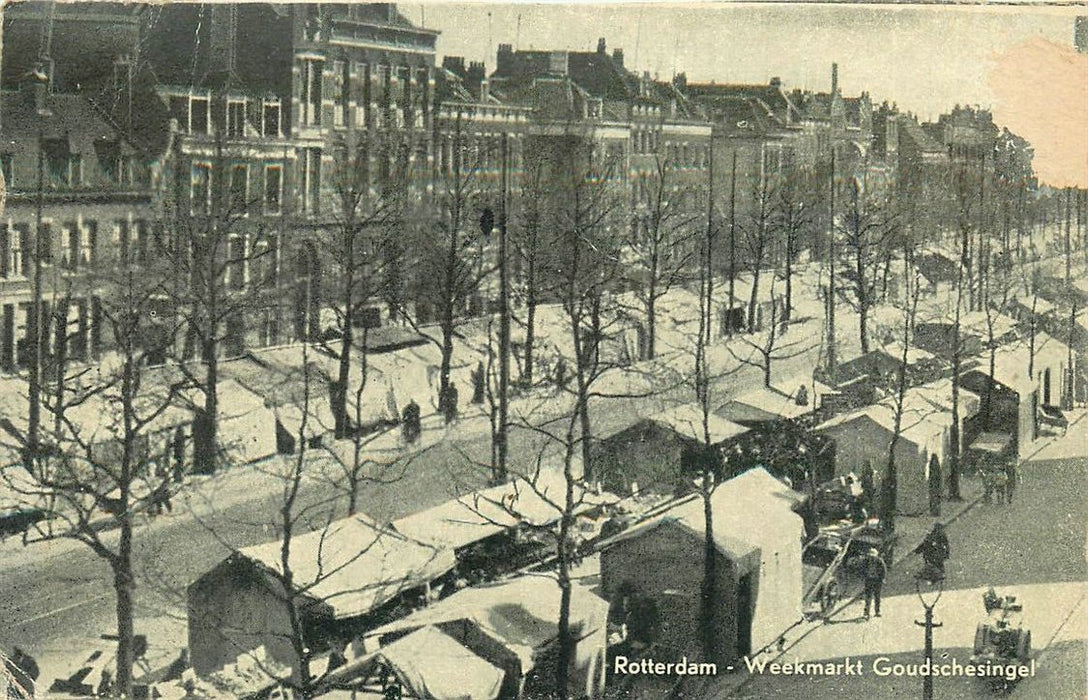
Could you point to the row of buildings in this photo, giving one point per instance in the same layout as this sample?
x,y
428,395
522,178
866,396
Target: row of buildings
x,y
253,125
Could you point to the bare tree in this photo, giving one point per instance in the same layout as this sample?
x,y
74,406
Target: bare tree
x,y
661,240
867,233
108,451
796,209
354,242
203,234
770,347
758,229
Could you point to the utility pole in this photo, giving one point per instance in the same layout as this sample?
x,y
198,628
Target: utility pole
x,y
732,240
831,359
929,625
500,470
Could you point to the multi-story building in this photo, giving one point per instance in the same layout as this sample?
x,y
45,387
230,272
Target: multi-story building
x,y
79,186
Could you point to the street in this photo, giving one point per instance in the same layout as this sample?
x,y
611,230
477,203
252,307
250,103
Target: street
x,y
1034,549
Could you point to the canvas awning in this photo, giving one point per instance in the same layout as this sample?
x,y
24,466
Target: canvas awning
x,y
429,664
687,420
773,403
354,565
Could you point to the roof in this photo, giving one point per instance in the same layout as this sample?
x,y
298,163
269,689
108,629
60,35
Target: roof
x,y
687,420
754,496
520,613
71,118
925,417
774,402
430,664
277,375
475,516
991,442
923,141
354,565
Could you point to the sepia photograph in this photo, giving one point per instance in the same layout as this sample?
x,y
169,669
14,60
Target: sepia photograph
x,y
560,350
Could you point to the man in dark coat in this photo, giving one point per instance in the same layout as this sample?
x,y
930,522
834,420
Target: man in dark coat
x,y
873,571
935,550
411,422
1012,474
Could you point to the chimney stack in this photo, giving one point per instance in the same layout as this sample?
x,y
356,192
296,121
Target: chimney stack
x,y
454,64
617,57
504,60
776,83
601,46
834,79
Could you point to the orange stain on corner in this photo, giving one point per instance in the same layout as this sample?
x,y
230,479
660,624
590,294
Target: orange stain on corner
x,y
1041,93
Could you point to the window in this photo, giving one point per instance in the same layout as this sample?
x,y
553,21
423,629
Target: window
x,y
362,74
236,118
17,262
273,187
200,193
340,82
311,91
405,75
57,161
310,164
198,115
88,242
271,118
70,246
121,237
179,111
6,162
236,260
5,251
46,244
75,170
239,189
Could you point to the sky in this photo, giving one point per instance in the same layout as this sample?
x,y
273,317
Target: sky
x,y
1017,60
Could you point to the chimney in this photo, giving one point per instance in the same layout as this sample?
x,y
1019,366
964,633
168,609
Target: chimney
x,y
485,90
834,79
617,57
601,46
504,60
475,73
680,81
776,83
454,64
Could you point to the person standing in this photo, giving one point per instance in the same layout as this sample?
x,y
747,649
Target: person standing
x,y
874,571
1012,475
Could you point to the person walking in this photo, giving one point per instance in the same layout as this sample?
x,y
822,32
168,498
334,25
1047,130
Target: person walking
x,y
874,571
935,551
411,423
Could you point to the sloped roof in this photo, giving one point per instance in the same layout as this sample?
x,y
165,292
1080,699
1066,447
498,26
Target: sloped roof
x,y
752,497
354,565
72,118
430,664
475,516
687,420
923,142
774,403
520,613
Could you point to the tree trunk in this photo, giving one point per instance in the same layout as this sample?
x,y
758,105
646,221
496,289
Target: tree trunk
x,y
708,607
343,374
753,301
530,323
565,638
651,322
787,310
124,587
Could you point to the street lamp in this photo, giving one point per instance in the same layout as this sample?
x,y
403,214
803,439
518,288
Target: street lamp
x,y
931,583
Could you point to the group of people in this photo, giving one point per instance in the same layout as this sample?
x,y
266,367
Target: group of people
x,y
1000,482
935,551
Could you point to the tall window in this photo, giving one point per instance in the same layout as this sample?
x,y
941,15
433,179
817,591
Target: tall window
x,y
236,254
17,261
311,91
236,118
239,189
198,115
179,110
88,241
270,118
200,194
310,164
340,91
75,170
70,245
273,189
57,161
6,164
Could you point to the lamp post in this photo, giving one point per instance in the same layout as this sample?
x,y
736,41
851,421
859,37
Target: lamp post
x,y
929,625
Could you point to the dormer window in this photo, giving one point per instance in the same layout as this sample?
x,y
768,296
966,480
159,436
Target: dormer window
x,y
236,118
270,118
198,115
57,161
